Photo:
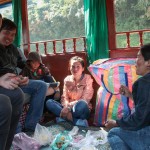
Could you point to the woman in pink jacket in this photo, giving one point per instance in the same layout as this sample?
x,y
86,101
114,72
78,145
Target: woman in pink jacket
x,y
77,92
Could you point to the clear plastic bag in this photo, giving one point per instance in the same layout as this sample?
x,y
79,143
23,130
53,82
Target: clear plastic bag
x,y
22,141
100,137
74,131
92,138
42,135
88,147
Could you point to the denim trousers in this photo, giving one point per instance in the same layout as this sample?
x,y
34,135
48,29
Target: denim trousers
x,y
79,111
37,89
120,139
11,102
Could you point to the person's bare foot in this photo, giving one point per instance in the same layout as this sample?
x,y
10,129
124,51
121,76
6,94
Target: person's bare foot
x,y
69,116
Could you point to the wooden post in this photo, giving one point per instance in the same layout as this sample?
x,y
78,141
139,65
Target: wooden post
x,y
111,24
25,27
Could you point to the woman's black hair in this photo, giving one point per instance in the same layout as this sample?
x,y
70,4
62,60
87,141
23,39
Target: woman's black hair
x,y
145,51
0,15
8,25
77,58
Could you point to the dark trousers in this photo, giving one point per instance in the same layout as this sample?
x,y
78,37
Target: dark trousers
x,y
48,78
11,102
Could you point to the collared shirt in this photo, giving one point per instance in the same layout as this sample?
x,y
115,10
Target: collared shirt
x,y
73,92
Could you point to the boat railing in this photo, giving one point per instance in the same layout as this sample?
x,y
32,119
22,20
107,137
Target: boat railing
x,y
58,46
132,40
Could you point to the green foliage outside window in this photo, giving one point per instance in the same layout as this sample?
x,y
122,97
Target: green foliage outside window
x,y
59,19
132,15
55,19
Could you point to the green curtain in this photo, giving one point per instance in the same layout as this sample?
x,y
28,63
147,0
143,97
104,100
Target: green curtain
x,y
17,11
96,29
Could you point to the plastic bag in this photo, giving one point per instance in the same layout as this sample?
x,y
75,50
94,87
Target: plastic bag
x,y
100,137
92,138
110,75
88,147
61,141
42,135
74,131
22,141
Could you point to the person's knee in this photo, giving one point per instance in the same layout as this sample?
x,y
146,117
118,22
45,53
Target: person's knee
x,y
81,107
81,110
38,85
49,104
42,84
113,131
81,104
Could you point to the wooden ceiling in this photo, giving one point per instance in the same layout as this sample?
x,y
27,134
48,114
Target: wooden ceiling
x,y
4,1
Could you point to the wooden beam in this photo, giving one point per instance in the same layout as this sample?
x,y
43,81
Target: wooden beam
x,y
111,24
25,27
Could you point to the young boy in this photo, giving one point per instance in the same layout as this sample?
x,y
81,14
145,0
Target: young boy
x,y
35,69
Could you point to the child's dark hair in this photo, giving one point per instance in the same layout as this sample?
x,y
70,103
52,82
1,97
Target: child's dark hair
x,y
145,51
8,25
34,56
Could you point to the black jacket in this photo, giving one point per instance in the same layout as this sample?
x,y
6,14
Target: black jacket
x,y
37,74
141,96
10,59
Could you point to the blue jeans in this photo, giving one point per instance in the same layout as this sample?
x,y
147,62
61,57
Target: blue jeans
x,y
79,111
120,139
11,102
37,89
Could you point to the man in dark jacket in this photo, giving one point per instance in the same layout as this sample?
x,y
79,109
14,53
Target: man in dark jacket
x,y
133,132
10,59
11,102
